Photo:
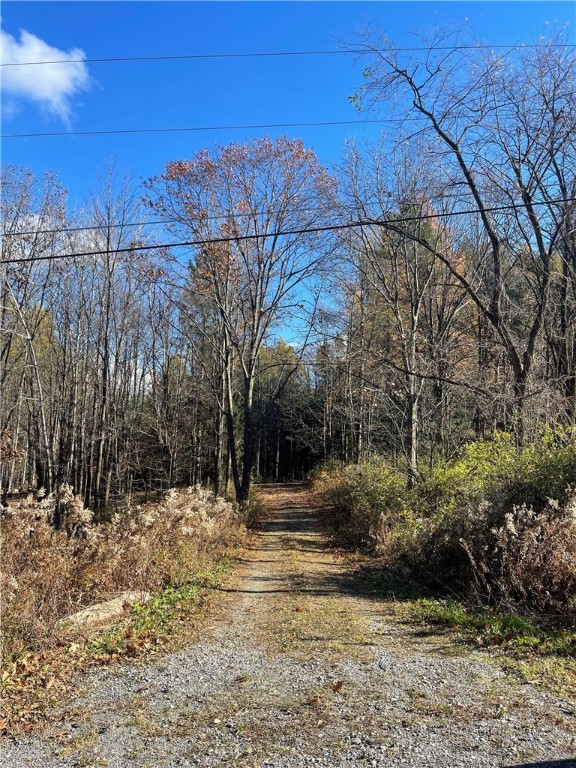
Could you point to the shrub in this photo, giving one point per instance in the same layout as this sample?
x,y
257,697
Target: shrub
x,y
48,574
545,469
469,503
368,500
532,562
498,523
254,510
501,473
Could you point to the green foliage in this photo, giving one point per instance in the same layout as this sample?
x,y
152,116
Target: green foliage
x,y
486,627
497,523
156,620
466,502
545,469
369,500
482,465
500,473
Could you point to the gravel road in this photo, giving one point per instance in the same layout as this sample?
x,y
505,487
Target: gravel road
x,y
293,668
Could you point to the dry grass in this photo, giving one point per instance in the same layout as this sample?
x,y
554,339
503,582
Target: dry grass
x,y
534,561
458,534
179,550
49,574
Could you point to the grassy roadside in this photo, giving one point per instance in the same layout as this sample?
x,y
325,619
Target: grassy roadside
x,y
541,655
33,685
534,652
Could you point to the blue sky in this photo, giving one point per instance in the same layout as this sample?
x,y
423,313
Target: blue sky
x,y
121,95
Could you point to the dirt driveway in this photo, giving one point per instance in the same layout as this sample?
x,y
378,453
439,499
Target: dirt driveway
x,y
297,667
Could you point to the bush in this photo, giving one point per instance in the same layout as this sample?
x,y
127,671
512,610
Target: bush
x,y
497,524
368,501
48,574
500,473
469,504
254,511
532,562
545,469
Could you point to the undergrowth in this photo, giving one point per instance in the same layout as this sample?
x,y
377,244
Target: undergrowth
x,y
254,511
483,547
177,551
497,525
32,683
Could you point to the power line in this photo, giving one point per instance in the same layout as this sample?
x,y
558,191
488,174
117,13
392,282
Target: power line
x,y
225,216
218,217
206,128
272,54
97,226
251,126
283,233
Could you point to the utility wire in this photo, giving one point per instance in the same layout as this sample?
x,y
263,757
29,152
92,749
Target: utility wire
x,y
206,128
225,216
252,126
283,233
218,217
271,54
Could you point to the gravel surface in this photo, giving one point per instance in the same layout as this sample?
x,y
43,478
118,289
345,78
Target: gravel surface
x,y
295,668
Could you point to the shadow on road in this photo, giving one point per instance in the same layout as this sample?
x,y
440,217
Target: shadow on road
x,y
545,764
293,522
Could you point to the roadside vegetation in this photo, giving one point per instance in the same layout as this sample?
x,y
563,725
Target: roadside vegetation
x,y
488,540
172,554
427,287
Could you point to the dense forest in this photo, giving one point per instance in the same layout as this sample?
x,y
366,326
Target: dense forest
x,y
417,297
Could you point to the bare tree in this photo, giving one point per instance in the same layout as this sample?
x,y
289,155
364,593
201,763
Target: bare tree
x,y
31,222
260,198
407,301
502,125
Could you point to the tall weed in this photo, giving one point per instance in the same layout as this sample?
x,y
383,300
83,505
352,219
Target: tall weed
x,y
48,574
497,524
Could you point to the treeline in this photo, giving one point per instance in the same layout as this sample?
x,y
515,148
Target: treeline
x,y
419,296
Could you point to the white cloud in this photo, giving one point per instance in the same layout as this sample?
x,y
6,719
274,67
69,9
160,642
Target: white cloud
x,y
51,86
